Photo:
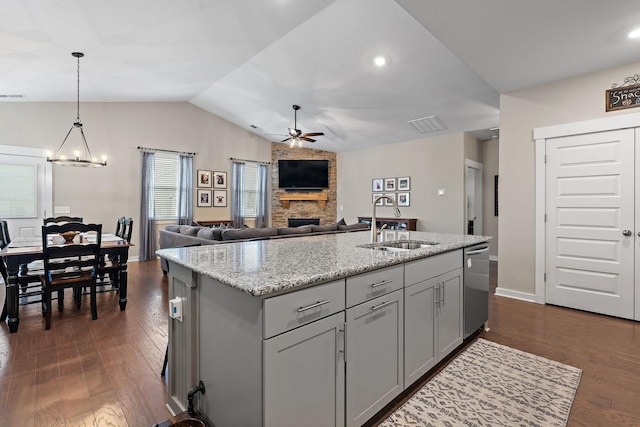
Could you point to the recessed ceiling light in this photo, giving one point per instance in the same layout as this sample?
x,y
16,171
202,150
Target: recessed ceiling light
x,y
380,61
634,34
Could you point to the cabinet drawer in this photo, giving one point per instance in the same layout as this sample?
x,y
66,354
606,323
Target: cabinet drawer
x,y
370,285
422,269
298,308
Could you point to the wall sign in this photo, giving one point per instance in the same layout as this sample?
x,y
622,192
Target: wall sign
x,y
624,96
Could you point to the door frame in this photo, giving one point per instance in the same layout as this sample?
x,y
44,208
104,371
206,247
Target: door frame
x,y
540,136
478,171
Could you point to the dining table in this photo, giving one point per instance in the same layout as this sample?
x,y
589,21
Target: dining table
x,y
24,250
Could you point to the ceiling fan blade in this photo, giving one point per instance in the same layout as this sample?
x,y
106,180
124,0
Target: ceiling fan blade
x,y
307,139
313,134
285,140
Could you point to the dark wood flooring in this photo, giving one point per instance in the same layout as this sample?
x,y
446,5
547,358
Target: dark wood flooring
x,y
107,372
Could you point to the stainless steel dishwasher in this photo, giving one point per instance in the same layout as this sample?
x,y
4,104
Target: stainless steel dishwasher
x,y
476,287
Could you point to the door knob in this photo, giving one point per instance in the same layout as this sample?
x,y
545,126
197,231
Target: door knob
x,y
627,233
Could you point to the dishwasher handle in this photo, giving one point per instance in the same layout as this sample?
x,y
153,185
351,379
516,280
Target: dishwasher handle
x,y
479,251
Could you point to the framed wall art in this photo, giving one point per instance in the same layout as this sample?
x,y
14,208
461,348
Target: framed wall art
x,y
204,198
404,183
377,184
403,199
220,198
204,178
373,199
389,184
219,179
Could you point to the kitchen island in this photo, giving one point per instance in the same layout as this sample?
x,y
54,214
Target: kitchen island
x,y
320,330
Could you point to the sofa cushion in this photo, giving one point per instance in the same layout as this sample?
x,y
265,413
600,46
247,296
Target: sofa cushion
x,y
323,228
356,226
189,230
173,227
248,233
205,233
217,233
304,229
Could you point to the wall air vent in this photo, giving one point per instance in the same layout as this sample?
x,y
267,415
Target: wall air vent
x,y
11,96
428,124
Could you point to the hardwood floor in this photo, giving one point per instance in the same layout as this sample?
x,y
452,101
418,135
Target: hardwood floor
x,y
107,372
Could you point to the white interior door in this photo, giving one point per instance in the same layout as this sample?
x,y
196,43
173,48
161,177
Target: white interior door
x,y
590,222
637,231
26,195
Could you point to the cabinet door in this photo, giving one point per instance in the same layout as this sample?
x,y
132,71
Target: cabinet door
x,y
449,312
304,375
374,355
419,326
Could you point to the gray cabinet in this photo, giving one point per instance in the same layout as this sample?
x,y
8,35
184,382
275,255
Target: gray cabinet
x,y
433,322
449,315
374,356
420,352
304,375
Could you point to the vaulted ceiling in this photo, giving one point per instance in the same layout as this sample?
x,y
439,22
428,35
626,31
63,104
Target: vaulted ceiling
x,y
249,61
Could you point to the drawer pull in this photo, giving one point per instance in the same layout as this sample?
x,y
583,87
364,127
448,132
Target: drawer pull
x,y
384,282
310,306
381,305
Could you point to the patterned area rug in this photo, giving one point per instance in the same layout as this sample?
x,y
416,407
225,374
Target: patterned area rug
x,y
492,385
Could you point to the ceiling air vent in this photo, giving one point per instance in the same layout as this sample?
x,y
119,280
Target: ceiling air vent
x,y
428,124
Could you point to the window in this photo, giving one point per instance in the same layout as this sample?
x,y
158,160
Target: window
x,y
20,193
165,179
250,190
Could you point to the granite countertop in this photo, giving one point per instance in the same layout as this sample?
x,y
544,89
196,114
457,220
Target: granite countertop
x,y
264,267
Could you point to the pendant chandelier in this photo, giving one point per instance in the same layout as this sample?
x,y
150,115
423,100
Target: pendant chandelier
x,y
78,158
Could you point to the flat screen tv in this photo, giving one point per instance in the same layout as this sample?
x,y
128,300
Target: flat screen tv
x,y
303,174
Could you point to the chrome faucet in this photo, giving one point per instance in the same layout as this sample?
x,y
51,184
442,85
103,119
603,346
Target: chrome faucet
x,y
374,232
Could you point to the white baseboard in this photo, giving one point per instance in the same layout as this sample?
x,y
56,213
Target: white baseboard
x,y
523,296
493,257
133,259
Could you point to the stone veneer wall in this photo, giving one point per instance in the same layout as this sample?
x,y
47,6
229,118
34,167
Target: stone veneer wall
x,y
302,209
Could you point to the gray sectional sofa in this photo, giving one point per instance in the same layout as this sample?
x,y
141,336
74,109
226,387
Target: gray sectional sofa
x,y
174,236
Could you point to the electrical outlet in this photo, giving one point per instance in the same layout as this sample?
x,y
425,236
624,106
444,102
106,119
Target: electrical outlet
x,y
62,209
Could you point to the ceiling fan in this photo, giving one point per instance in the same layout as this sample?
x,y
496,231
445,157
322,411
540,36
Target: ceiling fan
x,y
296,135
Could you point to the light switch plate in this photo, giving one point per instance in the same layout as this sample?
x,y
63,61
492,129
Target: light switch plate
x,y
62,209
441,192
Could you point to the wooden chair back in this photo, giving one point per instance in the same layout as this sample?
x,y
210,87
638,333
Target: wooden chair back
x,y
124,228
59,219
71,265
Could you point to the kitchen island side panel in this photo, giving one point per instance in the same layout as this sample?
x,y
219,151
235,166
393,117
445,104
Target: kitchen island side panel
x,y
230,354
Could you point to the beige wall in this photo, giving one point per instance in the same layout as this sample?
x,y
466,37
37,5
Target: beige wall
x,y
490,170
432,163
116,129
570,100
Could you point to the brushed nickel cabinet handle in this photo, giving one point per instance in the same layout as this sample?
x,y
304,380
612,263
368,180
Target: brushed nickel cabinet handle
x,y
310,306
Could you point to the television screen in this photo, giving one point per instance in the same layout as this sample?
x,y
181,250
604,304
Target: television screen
x,y
303,174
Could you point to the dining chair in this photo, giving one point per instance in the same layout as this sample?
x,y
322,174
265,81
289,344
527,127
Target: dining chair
x,y
69,265
3,267
124,229
59,219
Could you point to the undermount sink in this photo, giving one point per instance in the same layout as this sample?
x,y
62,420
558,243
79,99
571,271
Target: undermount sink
x,y
399,245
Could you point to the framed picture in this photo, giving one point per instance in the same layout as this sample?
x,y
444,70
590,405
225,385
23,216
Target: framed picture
x,y
404,183
220,198
389,235
373,199
220,180
204,198
204,178
389,184
403,199
387,202
376,184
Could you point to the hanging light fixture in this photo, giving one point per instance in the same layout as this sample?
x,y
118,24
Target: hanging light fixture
x,y
79,158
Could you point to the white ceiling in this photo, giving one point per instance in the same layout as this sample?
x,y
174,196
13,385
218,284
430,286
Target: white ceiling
x,y
249,61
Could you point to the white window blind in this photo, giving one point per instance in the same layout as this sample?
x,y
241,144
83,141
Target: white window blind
x,y
19,195
165,186
250,190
